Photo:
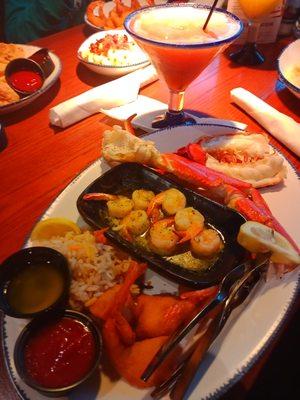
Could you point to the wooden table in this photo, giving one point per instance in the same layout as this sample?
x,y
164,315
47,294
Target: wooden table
x,y
40,160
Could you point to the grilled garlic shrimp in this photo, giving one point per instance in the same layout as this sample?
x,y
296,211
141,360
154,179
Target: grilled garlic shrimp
x,y
206,244
142,198
162,238
188,223
134,224
170,200
120,207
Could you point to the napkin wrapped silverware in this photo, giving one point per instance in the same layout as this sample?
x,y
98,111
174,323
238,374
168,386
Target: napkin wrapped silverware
x,y
112,94
283,128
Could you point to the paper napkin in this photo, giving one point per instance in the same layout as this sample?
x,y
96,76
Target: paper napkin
x,y
118,92
282,127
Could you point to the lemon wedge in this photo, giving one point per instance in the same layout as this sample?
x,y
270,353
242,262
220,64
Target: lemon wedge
x,y
258,238
51,227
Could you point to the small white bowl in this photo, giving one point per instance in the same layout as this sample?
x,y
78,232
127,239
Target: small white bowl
x,y
110,70
289,59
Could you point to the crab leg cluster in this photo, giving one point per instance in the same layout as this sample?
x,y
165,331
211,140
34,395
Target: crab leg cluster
x,y
234,193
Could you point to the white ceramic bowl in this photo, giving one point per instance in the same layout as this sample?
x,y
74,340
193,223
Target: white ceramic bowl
x,y
109,70
287,61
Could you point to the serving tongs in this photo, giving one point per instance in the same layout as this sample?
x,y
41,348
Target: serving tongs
x,y
219,309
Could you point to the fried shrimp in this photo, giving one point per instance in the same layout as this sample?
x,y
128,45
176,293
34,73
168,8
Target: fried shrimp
x,y
162,238
188,223
142,198
95,13
115,18
206,244
135,328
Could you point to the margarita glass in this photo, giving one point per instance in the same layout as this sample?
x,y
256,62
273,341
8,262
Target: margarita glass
x,y
255,11
180,50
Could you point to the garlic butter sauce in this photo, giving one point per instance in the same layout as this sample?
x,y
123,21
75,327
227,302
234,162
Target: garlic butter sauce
x,y
35,288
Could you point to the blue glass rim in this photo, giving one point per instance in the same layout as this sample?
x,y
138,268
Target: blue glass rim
x,y
184,45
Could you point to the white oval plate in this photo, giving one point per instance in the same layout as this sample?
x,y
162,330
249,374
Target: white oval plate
x,y
251,326
52,78
109,70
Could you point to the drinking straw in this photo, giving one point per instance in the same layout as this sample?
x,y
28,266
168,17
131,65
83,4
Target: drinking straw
x,y
209,14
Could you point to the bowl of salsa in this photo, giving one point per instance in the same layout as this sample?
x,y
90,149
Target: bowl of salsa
x,y
58,351
24,76
32,281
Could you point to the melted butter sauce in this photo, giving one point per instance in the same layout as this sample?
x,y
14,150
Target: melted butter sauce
x,y
188,261
35,288
183,257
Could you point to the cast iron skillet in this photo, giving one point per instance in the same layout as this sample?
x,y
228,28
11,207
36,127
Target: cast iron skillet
x,y
127,177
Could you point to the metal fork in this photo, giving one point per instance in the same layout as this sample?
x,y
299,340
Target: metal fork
x,y
223,294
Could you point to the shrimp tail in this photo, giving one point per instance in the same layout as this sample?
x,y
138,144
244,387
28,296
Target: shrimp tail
x,y
134,272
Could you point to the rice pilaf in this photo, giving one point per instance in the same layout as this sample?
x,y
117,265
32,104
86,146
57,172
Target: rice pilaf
x,y
95,267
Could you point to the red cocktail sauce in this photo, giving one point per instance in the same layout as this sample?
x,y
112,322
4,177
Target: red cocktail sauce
x,y
60,353
26,81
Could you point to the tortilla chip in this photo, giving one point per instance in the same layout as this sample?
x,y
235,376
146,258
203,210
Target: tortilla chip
x,y
10,51
2,68
7,94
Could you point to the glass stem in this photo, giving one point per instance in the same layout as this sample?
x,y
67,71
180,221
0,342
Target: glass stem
x,y
253,31
176,102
